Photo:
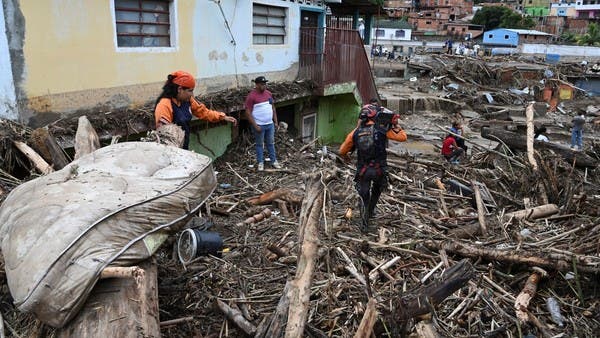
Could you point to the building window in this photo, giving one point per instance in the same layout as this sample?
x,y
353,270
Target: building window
x,y
464,29
400,33
428,22
143,23
506,37
452,29
379,33
268,25
490,36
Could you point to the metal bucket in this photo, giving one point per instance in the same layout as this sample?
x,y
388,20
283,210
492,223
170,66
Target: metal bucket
x,y
194,242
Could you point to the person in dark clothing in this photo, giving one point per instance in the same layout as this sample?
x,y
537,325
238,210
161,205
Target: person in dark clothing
x,y
371,167
458,130
176,104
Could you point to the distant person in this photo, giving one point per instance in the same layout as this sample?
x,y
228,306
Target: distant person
x,y
448,45
451,151
361,29
577,132
458,130
540,134
176,104
260,110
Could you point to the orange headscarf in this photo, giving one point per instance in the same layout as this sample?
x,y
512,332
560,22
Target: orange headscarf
x,y
184,79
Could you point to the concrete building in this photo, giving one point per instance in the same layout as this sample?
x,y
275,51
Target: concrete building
x,y
536,7
61,59
503,37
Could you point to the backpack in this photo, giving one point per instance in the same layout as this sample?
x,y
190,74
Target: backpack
x,y
365,142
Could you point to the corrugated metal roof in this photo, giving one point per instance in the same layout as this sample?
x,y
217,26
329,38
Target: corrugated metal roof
x,y
527,31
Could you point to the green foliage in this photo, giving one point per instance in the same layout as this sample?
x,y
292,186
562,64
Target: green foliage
x,y
494,17
591,38
568,37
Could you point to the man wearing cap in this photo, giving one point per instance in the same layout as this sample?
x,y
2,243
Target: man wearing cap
x,y
370,141
260,110
176,104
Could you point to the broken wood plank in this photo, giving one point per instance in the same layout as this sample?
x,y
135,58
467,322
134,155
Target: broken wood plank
x,y
38,162
86,139
421,301
119,307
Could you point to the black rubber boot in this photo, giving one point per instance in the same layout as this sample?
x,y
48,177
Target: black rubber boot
x,y
364,219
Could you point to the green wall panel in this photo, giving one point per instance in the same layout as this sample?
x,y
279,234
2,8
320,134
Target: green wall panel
x,y
336,117
210,141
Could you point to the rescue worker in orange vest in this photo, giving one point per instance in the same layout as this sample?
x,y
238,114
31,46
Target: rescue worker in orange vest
x,y
370,141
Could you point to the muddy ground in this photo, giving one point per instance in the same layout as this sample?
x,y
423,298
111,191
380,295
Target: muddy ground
x,y
423,227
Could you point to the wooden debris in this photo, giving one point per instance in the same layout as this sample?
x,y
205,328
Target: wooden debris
x,y
41,165
86,139
533,213
119,307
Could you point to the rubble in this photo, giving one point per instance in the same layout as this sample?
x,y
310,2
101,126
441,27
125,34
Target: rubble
x,y
454,250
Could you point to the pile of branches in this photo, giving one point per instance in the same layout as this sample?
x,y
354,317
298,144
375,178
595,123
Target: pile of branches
x,y
427,264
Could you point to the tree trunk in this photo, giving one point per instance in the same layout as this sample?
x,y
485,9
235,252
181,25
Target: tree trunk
x,y
518,142
533,213
554,261
119,307
421,301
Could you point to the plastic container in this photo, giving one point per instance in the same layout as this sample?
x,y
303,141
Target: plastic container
x,y
193,243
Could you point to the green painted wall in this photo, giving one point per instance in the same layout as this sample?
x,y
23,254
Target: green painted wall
x,y
336,117
537,11
212,140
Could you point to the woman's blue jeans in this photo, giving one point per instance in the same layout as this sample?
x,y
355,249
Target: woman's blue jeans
x,y
266,135
577,138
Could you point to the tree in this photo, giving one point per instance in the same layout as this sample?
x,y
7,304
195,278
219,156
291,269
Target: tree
x,y
494,17
591,38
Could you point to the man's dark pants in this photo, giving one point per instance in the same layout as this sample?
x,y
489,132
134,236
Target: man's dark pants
x,y
369,186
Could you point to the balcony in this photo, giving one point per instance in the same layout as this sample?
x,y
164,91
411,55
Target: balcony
x,y
331,56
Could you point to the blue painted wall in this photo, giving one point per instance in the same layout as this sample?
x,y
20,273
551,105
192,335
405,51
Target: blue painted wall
x,y
501,37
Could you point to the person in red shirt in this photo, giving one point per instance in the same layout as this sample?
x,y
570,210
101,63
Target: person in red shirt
x,y
176,104
261,113
451,151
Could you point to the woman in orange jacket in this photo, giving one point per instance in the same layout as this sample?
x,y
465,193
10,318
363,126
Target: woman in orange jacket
x,y
176,104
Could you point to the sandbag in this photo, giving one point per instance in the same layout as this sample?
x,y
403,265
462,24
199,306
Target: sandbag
x,y
112,207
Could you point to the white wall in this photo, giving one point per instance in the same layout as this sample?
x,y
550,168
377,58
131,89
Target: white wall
x,y
217,56
390,35
562,50
8,105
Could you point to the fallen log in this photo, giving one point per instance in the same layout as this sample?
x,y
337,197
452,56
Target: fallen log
x,y
533,213
556,262
237,318
518,142
276,325
119,307
421,301
308,237
289,195
528,292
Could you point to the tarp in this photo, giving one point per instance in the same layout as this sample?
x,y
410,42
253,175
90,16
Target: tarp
x,y
112,207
